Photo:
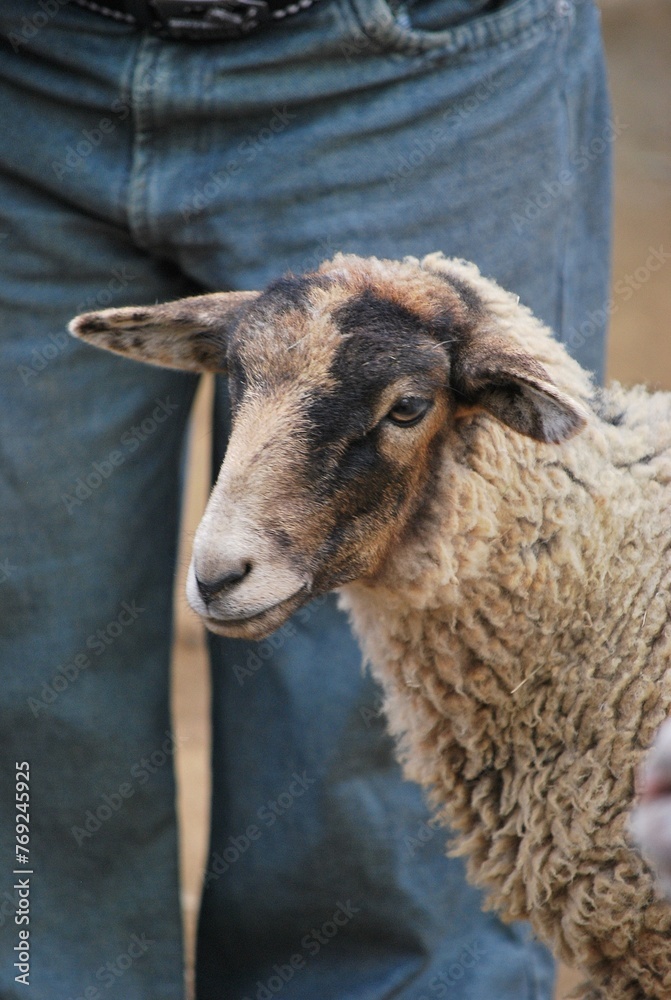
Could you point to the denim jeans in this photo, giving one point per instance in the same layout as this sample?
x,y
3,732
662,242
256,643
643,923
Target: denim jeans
x,y
135,169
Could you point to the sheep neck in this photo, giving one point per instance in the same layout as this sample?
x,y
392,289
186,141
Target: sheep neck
x,y
493,635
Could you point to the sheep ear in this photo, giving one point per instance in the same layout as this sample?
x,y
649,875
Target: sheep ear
x,y
190,334
489,375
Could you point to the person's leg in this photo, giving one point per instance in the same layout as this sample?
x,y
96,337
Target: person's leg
x,y
252,158
493,144
325,876
90,449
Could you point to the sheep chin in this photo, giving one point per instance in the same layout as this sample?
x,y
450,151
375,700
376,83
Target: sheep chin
x,y
260,624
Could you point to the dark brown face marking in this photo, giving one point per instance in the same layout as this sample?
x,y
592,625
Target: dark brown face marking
x,y
467,294
292,291
377,317
348,468
374,331
388,321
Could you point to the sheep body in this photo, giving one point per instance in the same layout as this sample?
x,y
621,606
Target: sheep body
x,y
525,656
508,577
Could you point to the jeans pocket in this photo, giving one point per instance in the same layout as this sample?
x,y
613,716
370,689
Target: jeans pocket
x,y
452,27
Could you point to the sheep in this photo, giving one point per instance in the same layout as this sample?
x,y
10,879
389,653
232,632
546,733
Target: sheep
x,y
410,435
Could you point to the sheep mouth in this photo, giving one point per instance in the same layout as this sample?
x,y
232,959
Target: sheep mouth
x,y
261,623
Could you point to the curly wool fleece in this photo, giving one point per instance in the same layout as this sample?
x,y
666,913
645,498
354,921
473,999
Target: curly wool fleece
x,y
521,625
523,642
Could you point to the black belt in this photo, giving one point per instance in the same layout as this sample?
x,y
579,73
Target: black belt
x,y
202,20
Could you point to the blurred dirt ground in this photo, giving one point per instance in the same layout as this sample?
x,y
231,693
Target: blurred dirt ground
x,y
638,44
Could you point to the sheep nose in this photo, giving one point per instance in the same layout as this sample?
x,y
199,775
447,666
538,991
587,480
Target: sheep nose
x,y
225,582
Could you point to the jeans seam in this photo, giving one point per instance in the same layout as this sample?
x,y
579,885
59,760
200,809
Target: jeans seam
x,y
565,18
142,87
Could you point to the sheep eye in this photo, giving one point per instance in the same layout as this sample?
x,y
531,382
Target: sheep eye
x,y
409,411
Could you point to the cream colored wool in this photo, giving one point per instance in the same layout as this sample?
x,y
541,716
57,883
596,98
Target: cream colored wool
x,y
521,625
523,643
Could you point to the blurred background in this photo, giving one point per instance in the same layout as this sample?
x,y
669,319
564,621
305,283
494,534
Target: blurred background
x,y
637,34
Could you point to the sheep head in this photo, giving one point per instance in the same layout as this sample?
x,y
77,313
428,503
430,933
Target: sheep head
x,y
345,384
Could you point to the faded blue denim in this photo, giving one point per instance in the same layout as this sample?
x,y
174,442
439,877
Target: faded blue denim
x,y
133,170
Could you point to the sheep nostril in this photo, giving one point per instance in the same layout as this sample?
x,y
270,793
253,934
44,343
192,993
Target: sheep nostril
x,y
225,582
